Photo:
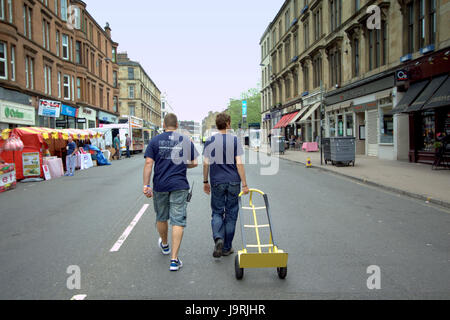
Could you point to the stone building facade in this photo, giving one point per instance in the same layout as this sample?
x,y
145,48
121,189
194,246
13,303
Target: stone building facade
x,y
337,60
56,63
139,95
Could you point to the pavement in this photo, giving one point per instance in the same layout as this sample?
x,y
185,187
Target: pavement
x,y
412,179
334,228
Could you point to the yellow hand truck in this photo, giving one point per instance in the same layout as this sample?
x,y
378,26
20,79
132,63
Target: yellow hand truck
x,y
272,257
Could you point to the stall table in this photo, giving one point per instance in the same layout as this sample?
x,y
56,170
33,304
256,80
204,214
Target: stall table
x,y
310,147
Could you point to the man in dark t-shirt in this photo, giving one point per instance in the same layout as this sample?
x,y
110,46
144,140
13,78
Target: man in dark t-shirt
x,y
222,161
71,157
171,154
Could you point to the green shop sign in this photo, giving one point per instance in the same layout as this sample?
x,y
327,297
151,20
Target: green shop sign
x,y
14,113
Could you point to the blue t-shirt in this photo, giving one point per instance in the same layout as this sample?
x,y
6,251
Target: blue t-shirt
x,y
72,146
171,151
221,151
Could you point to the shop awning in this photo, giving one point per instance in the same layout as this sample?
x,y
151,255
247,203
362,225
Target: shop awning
x,y
411,95
441,98
432,87
310,112
299,115
285,120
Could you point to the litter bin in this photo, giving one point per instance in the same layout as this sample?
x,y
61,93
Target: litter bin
x,y
342,150
278,144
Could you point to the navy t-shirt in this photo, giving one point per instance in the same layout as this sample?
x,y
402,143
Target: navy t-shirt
x,y
221,151
71,148
171,151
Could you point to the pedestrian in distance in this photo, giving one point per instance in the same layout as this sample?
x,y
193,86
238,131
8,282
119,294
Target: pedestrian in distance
x,y
223,164
169,155
71,157
128,144
117,146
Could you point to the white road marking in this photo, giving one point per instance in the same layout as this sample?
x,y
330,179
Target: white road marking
x,y
128,230
79,297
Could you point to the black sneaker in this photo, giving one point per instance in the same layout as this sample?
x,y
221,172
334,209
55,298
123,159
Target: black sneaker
x,y
218,248
227,253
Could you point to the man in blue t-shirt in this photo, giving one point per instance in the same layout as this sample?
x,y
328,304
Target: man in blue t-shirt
x,y
172,154
222,160
71,157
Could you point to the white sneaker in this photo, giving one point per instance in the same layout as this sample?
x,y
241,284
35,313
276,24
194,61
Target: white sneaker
x,y
176,265
164,249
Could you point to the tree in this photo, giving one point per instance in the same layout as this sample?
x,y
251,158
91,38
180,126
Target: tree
x,y
253,97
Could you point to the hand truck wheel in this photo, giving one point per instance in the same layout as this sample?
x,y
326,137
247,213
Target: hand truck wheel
x,y
239,271
282,272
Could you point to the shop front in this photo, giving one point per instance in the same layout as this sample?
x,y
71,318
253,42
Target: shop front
x,y
363,111
426,104
87,118
309,122
13,101
107,118
48,112
429,116
13,115
68,118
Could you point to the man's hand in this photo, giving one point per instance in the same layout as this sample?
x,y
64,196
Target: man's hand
x,y
148,192
207,188
245,190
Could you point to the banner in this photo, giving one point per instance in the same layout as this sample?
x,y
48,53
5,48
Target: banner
x,y
49,108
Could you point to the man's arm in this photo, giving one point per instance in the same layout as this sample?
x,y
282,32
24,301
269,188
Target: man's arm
x,y
147,175
206,186
241,171
75,151
192,164
194,154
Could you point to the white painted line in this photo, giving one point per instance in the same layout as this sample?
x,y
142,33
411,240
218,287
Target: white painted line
x,y
79,297
128,230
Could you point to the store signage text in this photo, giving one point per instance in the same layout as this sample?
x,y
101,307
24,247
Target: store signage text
x,y
68,111
365,106
49,108
14,113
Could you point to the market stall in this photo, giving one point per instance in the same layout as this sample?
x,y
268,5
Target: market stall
x,y
40,144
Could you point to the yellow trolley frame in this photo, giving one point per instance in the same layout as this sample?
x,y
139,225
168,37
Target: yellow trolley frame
x,y
273,257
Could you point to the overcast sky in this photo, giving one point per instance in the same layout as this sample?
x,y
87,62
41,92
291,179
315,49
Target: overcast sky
x,y
200,52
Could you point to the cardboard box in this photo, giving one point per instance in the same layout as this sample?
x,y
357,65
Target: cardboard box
x,y
113,152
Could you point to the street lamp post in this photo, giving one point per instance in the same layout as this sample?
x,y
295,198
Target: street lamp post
x,y
321,121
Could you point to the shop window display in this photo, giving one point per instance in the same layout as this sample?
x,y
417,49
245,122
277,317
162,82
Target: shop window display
x,y
332,125
349,120
386,127
428,131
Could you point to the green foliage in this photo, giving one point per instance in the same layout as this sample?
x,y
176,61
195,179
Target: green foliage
x,y
253,97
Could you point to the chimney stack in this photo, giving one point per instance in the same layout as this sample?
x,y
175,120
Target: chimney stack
x,y
108,30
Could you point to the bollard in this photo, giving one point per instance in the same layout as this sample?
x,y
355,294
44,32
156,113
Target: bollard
x,y
308,163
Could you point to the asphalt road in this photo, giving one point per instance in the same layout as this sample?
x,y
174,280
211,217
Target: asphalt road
x,y
332,228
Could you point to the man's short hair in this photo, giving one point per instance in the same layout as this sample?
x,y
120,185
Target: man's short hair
x,y
171,120
222,121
